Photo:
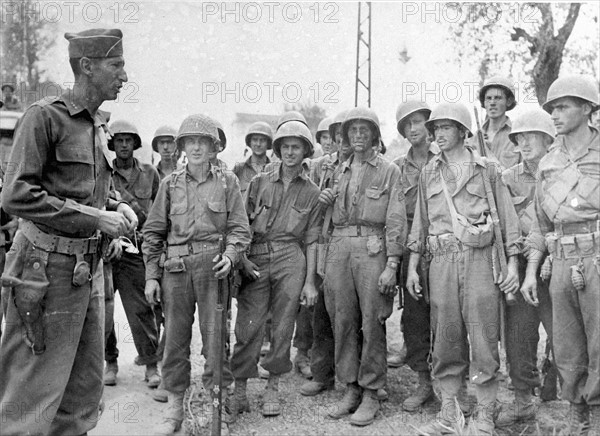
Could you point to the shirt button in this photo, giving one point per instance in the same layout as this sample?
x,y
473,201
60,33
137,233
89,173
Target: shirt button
x,y
36,265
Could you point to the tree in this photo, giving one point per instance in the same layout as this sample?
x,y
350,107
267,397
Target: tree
x,y
25,37
519,40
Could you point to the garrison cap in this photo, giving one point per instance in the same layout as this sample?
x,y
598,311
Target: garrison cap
x,y
95,43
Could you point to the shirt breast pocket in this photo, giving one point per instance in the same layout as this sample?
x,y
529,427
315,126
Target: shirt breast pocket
x,y
76,167
218,213
298,220
375,207
143,192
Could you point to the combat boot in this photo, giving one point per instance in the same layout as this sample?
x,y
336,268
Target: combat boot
x,y
578,420
238,401
486,408
348,404
397,359
448,417
263,373
382,394
160,394
466,401
312,388
110,373
594,421
366,412
152,377
522,409
173,416
271,405
302,364
423,393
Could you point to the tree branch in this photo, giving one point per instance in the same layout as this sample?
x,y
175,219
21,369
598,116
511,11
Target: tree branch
x,y
565,31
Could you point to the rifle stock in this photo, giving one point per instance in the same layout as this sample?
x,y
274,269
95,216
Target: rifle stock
x,y
480,138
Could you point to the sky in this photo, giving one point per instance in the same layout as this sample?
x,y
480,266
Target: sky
x,y
221,58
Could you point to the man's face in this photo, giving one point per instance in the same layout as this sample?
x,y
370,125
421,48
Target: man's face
x,y
325,141
259,144
567,115
108,76
447,135
124,144
166,146
495,102
532,145
360,136
292,151
414,128
198,149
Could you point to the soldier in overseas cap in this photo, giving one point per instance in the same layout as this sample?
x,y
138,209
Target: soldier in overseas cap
x,y
62,196
567,224
194,209
532,133
460,198
364,251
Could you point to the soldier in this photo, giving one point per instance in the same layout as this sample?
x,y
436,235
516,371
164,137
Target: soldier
x,y
11,102
137,183
286,221
59,187
214,160
194,207
532,133
567,222
259,139
497,96
323,137
369,221
164,144
463,296
411,117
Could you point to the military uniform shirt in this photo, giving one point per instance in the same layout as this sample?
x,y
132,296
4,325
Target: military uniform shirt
x,y
520,181
245,172
187,210
501,147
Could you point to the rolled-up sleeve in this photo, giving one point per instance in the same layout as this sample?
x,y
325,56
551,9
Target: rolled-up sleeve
x,y
509,220
155,232
395,222
420,225
540,224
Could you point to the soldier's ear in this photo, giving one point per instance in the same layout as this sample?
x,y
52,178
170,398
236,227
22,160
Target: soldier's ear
x,y
85,66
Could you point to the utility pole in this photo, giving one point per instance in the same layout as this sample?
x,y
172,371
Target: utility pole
x,y
363,45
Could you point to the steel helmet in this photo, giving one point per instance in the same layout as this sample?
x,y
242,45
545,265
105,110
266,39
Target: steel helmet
x,y
498,82
579,86
222,136
291,116
166,131
323,127
197,125
408,108
451,111
337,120
535,120
361,114
260,128
122,126
295,129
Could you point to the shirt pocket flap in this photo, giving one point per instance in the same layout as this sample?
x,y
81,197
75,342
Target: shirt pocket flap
x,y
374,194
475,188
433,189
74,153
143,192
519,200
217,206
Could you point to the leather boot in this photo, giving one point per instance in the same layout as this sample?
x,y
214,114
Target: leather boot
x,y
594,421
173,416
486,408
366,412
466,401
160,394
423,393
302,364
448,417
397,359
348,403
578,420
522,409
271,405
152,377
110,373
312,388
238,401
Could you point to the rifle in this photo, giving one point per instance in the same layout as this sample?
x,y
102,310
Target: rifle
x,y
480,138
218,345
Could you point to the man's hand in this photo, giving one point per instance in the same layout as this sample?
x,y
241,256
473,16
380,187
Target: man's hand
x,y
510,284
113,223
387,281
529,290
130,215
222,267
327,197
412,284
152,291
308,296
115,250
249,269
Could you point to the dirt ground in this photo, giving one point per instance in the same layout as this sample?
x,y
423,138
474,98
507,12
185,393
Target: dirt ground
x,y
131,411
